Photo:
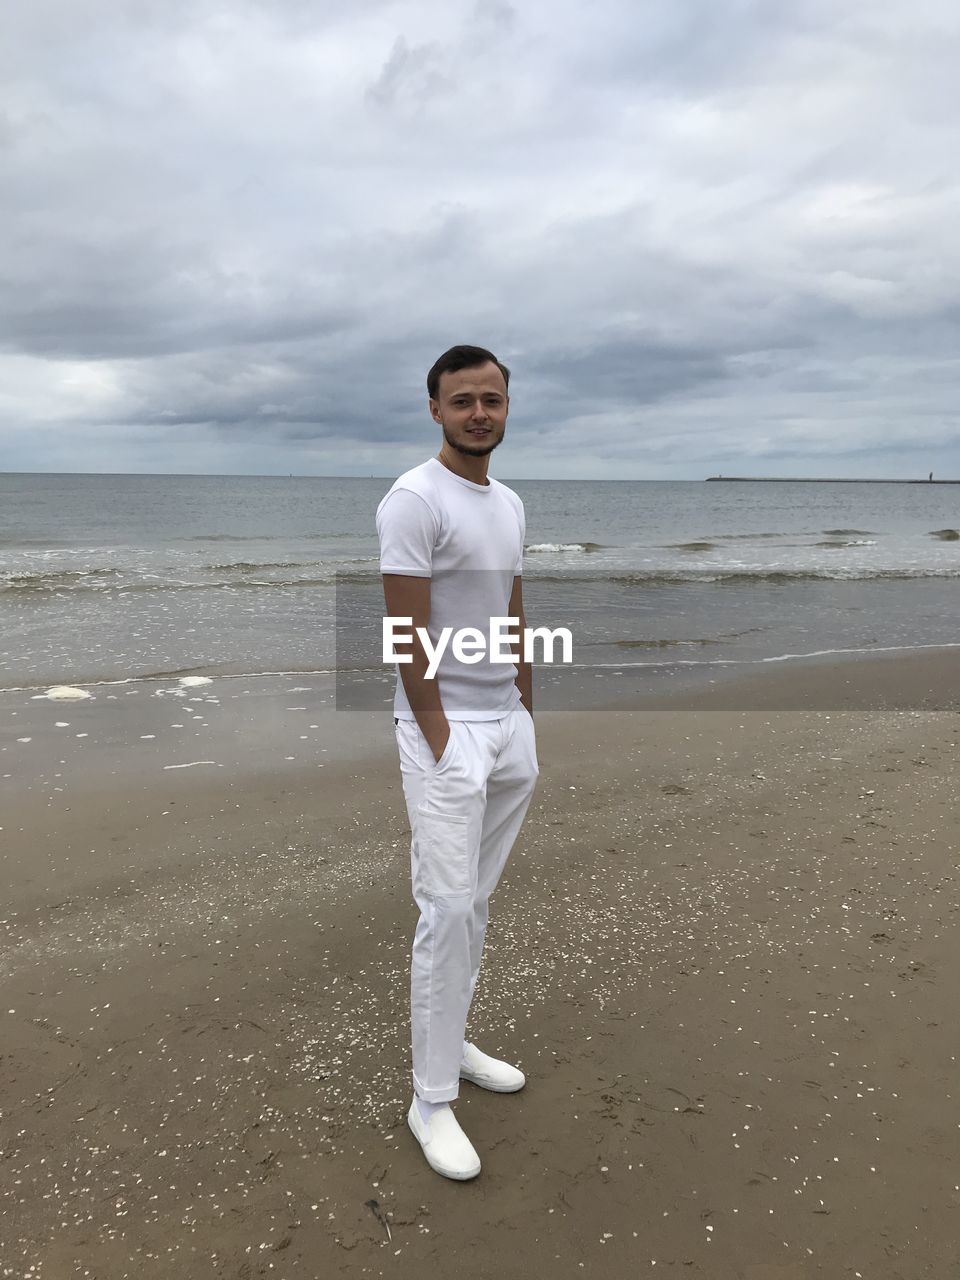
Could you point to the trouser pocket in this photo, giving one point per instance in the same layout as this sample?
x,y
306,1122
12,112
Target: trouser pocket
x,y
441,863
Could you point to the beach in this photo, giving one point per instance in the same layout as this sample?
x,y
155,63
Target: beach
x,y
691,531
724,954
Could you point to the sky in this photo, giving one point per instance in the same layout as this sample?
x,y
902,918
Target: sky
x,y
707,238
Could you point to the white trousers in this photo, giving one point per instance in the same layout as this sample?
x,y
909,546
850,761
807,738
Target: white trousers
x,y
465,811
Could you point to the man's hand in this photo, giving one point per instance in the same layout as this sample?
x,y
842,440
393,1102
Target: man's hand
x,y
408,597
437,736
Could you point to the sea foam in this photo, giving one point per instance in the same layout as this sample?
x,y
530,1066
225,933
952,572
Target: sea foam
x,y
66,693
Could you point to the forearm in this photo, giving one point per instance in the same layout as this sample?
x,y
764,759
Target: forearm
x,y
524,679
408,598
424,698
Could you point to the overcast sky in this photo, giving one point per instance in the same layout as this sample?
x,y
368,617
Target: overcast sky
x,y
706,236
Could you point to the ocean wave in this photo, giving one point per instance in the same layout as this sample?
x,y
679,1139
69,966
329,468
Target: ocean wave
x,y
112,581
659,644
161,677
56,580
233,537
740,537
40,689
848,533
235,576
257,566
846,542
264,537
804,656
670,643
696,577
537,547
234,585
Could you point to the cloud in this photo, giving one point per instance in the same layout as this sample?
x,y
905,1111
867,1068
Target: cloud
x,y
695,233
410,75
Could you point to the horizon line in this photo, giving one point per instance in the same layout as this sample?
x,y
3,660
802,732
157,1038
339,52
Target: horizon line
x,y
391,475
387,475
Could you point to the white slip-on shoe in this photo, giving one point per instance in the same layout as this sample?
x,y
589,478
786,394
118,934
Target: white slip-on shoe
x,y
490,1073
447,1148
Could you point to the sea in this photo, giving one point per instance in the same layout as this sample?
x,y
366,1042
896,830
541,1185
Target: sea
x,y
112,579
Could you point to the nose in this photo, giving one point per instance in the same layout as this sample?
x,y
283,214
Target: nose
x,y
479,413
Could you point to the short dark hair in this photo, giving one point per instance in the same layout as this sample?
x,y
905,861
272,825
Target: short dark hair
x,y
458,358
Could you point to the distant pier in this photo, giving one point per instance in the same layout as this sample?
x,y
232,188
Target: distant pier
x,y
821,480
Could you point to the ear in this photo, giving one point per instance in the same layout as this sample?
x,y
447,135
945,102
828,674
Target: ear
x,y
435,412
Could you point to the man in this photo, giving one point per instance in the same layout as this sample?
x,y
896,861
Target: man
x,y
451,550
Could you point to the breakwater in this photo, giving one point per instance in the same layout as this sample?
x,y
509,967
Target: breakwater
x,y
821,480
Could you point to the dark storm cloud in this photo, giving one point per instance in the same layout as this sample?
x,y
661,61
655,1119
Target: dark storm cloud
x,y
623,370
694,231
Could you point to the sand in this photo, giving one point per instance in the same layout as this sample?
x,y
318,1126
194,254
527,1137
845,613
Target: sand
x,y
724,953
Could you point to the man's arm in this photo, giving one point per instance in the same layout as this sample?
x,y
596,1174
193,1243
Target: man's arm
x,y
524,669
408,597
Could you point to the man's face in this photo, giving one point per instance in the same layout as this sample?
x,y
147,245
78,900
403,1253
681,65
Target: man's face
x,y
471,407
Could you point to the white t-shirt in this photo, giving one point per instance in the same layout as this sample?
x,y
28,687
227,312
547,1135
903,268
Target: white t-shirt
x,y
468,539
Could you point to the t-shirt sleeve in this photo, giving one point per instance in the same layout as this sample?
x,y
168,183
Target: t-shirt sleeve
x,y
408,532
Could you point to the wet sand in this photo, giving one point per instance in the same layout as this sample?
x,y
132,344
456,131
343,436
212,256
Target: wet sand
x,y
724,952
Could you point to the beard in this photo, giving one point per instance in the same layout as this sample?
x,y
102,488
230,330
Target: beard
x,y
471,451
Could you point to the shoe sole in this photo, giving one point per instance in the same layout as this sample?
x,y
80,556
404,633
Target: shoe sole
x,y
444,1173
492,1088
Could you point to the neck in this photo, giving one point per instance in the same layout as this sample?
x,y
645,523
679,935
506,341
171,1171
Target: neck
x,y
461,464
